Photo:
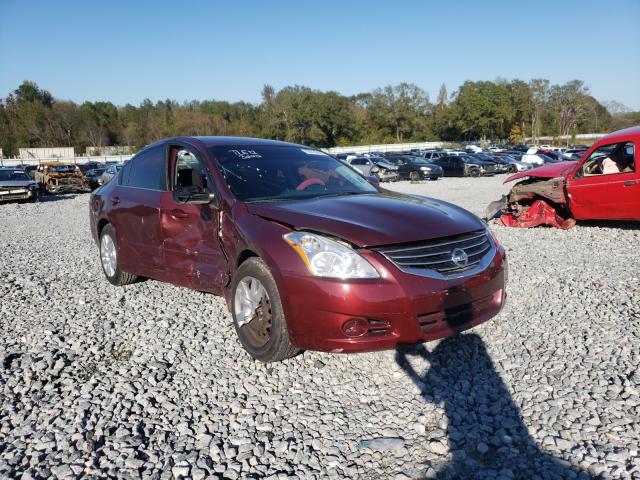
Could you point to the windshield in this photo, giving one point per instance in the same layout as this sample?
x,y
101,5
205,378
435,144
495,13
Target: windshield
x,y
13,175
268,172
62,168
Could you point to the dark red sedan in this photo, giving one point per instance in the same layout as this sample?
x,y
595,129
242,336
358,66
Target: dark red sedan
x,y
308,253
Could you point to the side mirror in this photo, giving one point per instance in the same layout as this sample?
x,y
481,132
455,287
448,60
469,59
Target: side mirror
x,y
193,195
374,180
628,149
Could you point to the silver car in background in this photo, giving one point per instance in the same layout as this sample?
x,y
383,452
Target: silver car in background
x,y
109,172
15,184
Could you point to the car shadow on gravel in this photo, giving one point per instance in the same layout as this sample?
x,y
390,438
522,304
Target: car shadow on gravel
x,y
486,433
619,224
56,198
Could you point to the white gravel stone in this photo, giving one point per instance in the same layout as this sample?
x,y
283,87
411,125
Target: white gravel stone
x,y
149,380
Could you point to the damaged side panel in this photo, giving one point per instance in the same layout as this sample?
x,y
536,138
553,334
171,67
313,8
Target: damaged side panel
x,y
552,189
536,202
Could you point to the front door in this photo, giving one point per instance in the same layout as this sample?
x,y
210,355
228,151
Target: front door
x,y
607,185
192,251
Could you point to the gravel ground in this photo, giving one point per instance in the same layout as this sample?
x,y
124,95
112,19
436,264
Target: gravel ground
x,y
149,380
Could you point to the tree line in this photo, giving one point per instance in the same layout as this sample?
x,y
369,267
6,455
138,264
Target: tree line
x,y
508,110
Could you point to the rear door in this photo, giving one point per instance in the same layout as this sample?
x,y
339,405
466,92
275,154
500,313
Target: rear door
x,y
614,195
192,249
136,212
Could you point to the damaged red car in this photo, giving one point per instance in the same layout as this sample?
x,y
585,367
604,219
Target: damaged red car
x,y
603,185
307,252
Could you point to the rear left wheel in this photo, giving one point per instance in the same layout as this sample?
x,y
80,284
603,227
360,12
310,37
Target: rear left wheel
x,y
109,259
257,313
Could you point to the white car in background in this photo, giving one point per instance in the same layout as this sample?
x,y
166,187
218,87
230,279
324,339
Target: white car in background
x,y
532,158
362,164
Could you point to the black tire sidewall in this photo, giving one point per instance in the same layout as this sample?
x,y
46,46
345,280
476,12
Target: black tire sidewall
x,y
255,267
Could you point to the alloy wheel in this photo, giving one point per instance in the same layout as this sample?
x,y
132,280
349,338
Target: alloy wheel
x,y
108,255
253,311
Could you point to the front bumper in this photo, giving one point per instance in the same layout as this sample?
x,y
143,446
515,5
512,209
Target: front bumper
x,y
69,188
7,195
388,176
400,307
431,174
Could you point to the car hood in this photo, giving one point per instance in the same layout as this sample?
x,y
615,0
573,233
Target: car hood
x,y
549,170
16,183
369,220
387,165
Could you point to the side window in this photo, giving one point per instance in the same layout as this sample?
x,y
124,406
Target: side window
x,y
147,170
610,159
190,172
123,178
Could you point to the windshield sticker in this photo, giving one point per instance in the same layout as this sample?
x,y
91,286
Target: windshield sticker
x,y
312,152
245,154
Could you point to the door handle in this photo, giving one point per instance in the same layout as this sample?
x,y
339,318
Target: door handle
x,y
115,200
179,214
629,183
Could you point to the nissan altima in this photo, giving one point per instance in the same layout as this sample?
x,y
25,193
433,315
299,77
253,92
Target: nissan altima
x,y
307,252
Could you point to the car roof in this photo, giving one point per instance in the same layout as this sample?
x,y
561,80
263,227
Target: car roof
x,y
212,141
620,135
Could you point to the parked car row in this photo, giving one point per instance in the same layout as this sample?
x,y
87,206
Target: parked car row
x,y
435,163
27,182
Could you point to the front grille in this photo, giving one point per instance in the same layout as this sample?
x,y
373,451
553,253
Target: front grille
x,y
437,254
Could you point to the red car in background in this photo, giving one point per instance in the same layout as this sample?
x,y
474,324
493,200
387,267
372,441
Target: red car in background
x,y
603,185
307,252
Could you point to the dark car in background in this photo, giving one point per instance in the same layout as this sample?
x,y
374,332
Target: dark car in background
x,y
415,168
465,166
93,177
15,184
307,253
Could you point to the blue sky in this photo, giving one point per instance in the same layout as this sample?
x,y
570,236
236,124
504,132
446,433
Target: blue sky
x,y
125,51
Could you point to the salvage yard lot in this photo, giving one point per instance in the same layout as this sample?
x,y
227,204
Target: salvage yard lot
x,y
151,379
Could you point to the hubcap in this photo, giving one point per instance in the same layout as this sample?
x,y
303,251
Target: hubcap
x,y
108,255
253,311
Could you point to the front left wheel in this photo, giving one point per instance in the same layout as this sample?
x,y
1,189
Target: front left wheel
x,y
257,313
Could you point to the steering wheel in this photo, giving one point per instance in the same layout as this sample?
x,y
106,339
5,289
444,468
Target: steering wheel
x,y
308,182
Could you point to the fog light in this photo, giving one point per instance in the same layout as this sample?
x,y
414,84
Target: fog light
x,y
355,327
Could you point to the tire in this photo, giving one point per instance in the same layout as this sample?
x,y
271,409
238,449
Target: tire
x,y
474,172
414,176
116,276
272,326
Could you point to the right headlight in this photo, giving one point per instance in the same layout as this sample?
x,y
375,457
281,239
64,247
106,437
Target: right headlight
x,y
328,258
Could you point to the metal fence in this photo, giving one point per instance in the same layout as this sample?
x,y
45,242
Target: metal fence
x,y
387,147
76,160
